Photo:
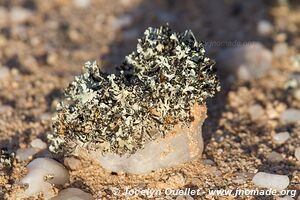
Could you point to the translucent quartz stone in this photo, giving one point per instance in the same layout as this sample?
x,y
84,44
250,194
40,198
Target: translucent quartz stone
x,y
179,146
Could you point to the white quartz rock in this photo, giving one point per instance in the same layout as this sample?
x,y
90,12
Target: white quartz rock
x,y
42,172
73,194
25,154
264,27
274,157
281,138
256,112
290,115
247,62
273,181
38,143
183,145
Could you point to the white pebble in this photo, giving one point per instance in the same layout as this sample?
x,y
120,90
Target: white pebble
x,y
273,181
247,62
39,170
290,115
286,198
121,22
297,94
184,197
256,111
4,72
26,154
72,163
274,157
280,49
281,138
20,15
38,143
297,153
264,27
82,3
73,194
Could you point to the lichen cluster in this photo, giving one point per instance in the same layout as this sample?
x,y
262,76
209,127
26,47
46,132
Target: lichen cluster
x,y
6,158
154,89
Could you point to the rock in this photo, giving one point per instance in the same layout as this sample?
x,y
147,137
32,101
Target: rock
x,y
247,62
4,72
274,157
281,138
297,153
72,163
3,15
290,115
286,198
5,109
73,194
280,49
208,162
273,181
26,154
264,27
121,22
20,15
256,112
42,172
184,197
82,3
182,146
297,94
38,143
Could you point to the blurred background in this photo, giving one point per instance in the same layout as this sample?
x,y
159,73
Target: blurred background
x,y
43,44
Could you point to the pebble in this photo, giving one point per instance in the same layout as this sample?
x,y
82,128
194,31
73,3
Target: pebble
x,y
256,112
4,72
26,154
73,194
121,22
82,3
38,143
280,49
273,181
281,138
247,62
208,162
72,163
20,15
274,157
40,169
297,94
290,115
264,27
297,153
184,197
286,198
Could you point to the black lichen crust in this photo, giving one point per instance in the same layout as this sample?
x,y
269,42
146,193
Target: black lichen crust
x,y
154,89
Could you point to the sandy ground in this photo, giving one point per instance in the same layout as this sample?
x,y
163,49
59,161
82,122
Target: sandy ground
x,y
40,55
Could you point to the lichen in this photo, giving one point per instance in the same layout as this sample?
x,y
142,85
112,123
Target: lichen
x,y
153,89
6,158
